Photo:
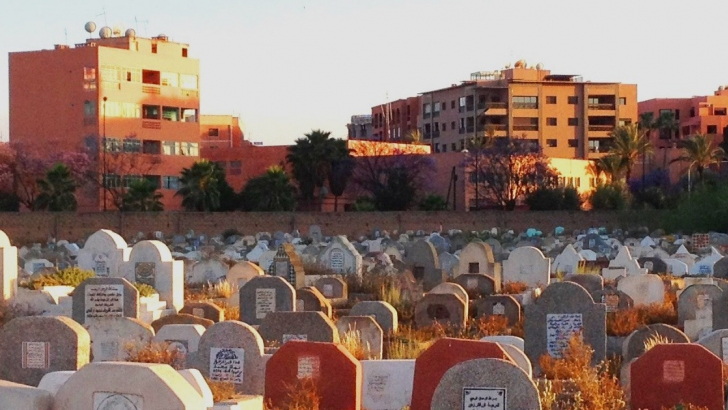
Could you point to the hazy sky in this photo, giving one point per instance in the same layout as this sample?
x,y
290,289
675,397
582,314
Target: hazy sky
x,y
288,66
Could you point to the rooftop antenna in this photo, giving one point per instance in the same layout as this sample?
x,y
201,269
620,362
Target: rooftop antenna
x,y
137,21
65,33
106,23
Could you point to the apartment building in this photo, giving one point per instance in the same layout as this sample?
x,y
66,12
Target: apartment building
x,y
394,121
360,127
563,114
694,115
132,103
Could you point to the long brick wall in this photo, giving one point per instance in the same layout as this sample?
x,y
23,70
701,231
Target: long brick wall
x,y
25,228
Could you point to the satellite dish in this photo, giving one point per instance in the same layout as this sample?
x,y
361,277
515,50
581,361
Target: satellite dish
x,y
131,33
90,27
539,66
117,30
105,32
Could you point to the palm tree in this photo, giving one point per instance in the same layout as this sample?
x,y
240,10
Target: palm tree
x,y
341,171
57,190
698,151
142,196
200,187
629,142
270,192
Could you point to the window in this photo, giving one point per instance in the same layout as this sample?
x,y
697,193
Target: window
x,y
150,112
154,48
462,102
719,111
133,75
236,168
550,99
622,101
444,147
525,102
170,113
213,132
169,148
436,108
154,179
443,106
677,114
189,114
170,79
573,143
130,179
444,126
573,100
712,129
151,147
474,267
109,74
112,145
551,143
132,145
89,78
625,121
184,51
692,112
89,109
551,121
112,181
151,77
452,104
191,149
452,125
573,122
188,81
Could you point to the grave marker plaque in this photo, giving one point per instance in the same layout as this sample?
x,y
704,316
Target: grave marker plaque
x,y
309,367
289,337
226,365
101,265
35,355
484,398
104,301
116,401
336,259
265,302
144,272
673,371
560,327
328,291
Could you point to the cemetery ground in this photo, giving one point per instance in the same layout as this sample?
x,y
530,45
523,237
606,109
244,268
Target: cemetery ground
x,y
337,327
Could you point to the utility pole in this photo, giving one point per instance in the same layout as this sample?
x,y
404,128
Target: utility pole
x,y
104,147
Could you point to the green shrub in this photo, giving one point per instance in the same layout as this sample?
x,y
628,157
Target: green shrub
x,y
230,232
650,198
572,200
554,199
67,277
433,203
608,197
144,289
706,209
364,204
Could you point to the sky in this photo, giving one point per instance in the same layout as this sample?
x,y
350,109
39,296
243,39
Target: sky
x,y
289,66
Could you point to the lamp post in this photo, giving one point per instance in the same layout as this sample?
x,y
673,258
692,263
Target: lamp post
x,y
689,182
477,171
104,148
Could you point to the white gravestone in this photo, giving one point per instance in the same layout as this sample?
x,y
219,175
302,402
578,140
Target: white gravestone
x,y
117,401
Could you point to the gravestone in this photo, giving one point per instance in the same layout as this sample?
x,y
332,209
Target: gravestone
x,y
562,311
232,351
671,374
180,319
683,255
365,329
425,264
477,257
717,342
448,263
653,265
104,253
643,289
308,364
505,340
567,261
183,338
527,265
341,257
38,265
282,327
257,251
519,357
445,309
314,232
704,266
207,271
590,282
441,356
477,285
104,297
111,336
453,289
387,384
334,289
701,309
242,272
634,345
20,396
384,313
309,299
676,267
503,305
8,268
151,263
625,260
614,299
134,386
32,346
205,310
263,295
485,383
287,265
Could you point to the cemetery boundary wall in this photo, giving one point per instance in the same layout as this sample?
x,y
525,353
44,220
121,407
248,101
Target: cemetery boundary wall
x,y
29,227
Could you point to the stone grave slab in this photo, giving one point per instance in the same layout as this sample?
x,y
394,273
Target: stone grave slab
x,y
183,338
207,271
527,265
8,268
181,319
653,265
282,327
232,351
643,289
614,299
35,345
701,309
716,342
671,374
634,345
151,263
309,364
366,329
20,396
204,309
567,261
590,282
341,257
242,272
449,288
288,265
444,354
446,309
504,305
265,294
505,340
387,384
97,298
334,289
477,257
309,299
425,264
477,285
384,313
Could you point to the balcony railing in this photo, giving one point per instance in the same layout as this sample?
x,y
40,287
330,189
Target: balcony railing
x,y
600,106
426,115
154,125
496,127
498,105
599,149
606,128
436,114
529,106
525,127
150,89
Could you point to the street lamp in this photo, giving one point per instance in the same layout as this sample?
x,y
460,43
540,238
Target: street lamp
x,y
103,176
477,172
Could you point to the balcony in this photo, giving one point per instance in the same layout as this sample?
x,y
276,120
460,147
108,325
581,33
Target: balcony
x,y
426,115
529,127
495,127
153,125
602,128
151,89
602,107
498,105
525,106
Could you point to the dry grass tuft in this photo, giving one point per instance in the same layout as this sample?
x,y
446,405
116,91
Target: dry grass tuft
x,y
623,323
153,352
301,396
655,340
513,288
351,340
221,391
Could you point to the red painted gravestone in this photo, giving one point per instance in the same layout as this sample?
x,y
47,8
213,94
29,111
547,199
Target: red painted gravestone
x,y
670,374
328,368
445,353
